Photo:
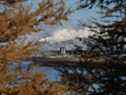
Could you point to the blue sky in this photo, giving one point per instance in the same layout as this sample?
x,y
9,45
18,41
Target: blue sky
x,y
84,15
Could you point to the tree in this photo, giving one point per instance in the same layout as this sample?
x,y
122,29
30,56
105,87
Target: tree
x,y
17,19
110,38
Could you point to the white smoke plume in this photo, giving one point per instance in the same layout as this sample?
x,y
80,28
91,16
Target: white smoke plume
x,y
67,34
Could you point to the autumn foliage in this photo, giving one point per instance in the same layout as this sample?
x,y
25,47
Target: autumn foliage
x,y
16,20
19,19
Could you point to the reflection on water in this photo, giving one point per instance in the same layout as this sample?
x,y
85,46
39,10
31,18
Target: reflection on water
x,y
93,80
50,72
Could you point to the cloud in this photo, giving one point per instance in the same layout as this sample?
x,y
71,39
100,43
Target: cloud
x,y
67,34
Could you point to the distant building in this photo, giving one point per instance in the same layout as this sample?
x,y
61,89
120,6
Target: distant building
x,y
62,50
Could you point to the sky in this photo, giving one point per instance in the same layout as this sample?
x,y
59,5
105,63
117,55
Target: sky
x,y
69,29
85,15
